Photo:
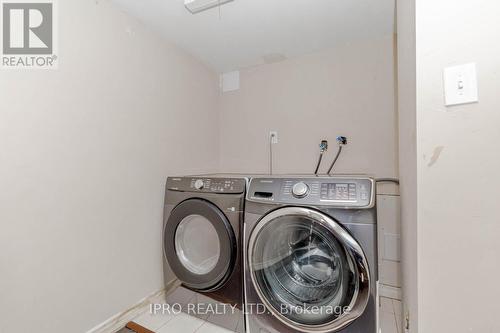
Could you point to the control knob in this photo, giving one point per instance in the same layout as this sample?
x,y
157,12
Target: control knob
x,y
300,190
198,184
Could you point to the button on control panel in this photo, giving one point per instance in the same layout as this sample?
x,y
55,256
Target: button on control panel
x,y
300,190
337,191
199,184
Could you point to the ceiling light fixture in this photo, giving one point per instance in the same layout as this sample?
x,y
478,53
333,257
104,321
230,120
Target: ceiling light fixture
x,y
196,6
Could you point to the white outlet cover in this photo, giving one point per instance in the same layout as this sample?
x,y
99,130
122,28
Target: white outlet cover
x,y
230,81
460,84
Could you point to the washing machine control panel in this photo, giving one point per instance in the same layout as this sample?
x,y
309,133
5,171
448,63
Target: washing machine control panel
x,y
207,184
355,192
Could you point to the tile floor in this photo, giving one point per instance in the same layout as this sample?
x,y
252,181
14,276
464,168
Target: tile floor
x,y
180,323
390,321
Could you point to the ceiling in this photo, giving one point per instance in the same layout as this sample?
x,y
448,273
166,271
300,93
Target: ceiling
x,y
252,32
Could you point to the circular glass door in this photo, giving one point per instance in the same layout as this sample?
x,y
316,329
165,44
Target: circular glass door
x,y
199,245
308,270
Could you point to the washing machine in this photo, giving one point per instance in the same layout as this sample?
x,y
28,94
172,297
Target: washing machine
x,y
311,255
202,246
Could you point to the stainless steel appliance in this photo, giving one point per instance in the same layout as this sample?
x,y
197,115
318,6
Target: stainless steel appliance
x,y
310,254
202,240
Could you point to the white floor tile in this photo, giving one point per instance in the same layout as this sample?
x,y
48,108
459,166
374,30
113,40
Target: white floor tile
x,y
153,321
211,328
181,323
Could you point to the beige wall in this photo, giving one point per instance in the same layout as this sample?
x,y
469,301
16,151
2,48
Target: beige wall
x,y
458,217
84,153
347,91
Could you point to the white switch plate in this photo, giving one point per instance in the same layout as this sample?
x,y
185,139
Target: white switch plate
x,y
460,84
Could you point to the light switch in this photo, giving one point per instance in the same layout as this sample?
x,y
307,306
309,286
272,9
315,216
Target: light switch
x,y
460,84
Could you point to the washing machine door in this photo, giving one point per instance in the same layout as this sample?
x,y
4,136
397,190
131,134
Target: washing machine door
x,y
308,270
199,245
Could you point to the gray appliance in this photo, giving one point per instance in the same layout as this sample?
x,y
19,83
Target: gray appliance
x,y
202,240
310,255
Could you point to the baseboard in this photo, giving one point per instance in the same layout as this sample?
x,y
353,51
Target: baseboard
x,y
390,292
118,321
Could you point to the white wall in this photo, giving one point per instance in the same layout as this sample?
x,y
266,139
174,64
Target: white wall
x,y
408,158
346,91
458,164
84,154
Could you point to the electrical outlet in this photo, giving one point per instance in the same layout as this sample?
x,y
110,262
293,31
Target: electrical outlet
x,y
273,135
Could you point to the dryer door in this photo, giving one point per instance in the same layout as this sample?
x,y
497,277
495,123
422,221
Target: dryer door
x,y
199,245
308,270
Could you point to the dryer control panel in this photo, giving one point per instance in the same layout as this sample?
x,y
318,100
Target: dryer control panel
x,y
207,184
355,192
